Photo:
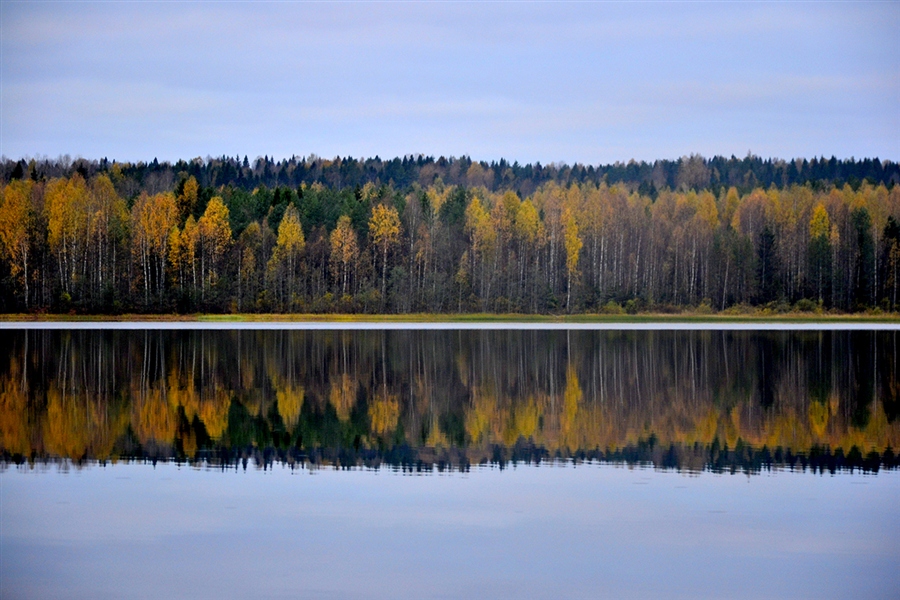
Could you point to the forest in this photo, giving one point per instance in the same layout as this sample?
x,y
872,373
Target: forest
x,y
425,235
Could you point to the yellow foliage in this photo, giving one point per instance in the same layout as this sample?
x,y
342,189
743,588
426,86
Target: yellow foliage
x,y
344,250
187,200
290,235
183,249
819,224
707,212
732,201
214,228
66,204
384,226
384,411
15,211
528,223
572,241
154,218
480,227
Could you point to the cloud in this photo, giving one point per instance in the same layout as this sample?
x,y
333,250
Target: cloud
x,y
580,80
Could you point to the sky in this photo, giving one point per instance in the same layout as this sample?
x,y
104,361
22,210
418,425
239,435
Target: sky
x,y
573,82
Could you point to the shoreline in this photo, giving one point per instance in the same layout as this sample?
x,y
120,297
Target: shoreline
x,y
793,317
647,321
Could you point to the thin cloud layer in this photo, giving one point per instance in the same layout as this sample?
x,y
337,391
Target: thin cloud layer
x,y
568,82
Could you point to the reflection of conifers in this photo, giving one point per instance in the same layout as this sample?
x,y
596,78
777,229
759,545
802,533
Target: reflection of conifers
x,y
334,393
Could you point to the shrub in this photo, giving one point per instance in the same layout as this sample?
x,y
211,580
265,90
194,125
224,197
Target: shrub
x,y
613,308
805,305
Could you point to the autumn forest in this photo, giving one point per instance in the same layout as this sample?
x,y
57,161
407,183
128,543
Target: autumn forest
x,y
425,235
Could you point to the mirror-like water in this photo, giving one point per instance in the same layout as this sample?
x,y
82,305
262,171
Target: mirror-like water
x,y
434,399
578,464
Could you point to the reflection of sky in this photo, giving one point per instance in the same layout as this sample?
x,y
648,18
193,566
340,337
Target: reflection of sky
x,y
547,532
590,82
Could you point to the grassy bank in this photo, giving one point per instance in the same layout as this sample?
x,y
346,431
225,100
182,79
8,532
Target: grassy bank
x,y
683,317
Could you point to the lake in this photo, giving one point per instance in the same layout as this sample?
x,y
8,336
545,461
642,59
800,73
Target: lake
x,y
429,461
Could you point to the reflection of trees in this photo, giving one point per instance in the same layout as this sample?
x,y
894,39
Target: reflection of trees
x,y
15,429
347,395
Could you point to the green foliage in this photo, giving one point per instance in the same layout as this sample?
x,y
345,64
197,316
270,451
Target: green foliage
x,y
559,247
766,267
453,211
805,305
865,257
613,308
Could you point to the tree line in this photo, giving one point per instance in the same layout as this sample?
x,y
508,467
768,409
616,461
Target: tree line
x,y
694,172
102,239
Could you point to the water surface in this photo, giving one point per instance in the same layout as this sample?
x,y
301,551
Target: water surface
x,y
139,531
448,463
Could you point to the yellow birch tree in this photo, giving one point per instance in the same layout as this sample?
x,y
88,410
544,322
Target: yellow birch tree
x,y
384,227
15,233
344,251
286,256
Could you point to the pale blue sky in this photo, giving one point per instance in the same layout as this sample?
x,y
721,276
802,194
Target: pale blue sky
x,y
590,82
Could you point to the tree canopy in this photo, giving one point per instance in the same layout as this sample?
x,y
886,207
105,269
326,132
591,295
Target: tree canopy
x,y
110,237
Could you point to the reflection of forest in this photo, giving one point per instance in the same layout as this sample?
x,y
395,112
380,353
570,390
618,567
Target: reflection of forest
x,y
677,398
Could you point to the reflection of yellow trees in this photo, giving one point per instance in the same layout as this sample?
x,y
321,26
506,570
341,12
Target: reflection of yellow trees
x,y
523,422
482,417
154,413
289,393
706,426
423,411
153,418
732,425
75,426
210,405
290,402
562,406
568,422
787,429
66,429
877,432
818,418
383,413
436,437
14,429
213,412
342,395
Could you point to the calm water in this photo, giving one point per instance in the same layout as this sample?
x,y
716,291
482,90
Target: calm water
x,y
449,463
